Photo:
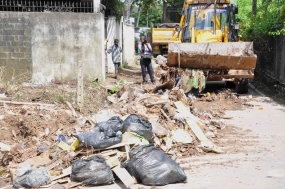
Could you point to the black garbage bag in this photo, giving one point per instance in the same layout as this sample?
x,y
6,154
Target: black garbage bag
x,y
110,127
91,171
151,166
33,179
135,123
99,140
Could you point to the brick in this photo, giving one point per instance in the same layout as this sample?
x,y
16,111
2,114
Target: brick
x,y
21,38
27,55
8,43
3,61
14,20
8,38
13,32
27,44
13,61
17,55
25,61
17,43
9,26
8,49
2,43
26,37
16,38
17,49
25,50
19,27
3,55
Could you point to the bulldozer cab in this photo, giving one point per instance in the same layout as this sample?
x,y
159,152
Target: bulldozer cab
x,y
209,23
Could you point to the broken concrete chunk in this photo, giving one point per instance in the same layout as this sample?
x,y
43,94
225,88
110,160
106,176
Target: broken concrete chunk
x,y
218,123
158,130
161,60
4,147
103,115
210,134
113,99
181,136
124,96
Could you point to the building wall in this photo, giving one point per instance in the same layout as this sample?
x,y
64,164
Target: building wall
x,y
270,66
50,45
15,46
126,35
128,44
112,32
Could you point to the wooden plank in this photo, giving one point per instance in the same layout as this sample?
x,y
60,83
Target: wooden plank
x,y
61,176
74,114
184,110
191,120
124,176
72,184
108,153
25,103
113,161
127,148
80,86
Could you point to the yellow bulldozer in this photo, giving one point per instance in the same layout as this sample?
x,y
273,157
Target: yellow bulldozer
x,y
208,40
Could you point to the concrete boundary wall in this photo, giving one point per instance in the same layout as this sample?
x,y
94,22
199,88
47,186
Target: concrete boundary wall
x,y
271,60
50,45
128,44
126,35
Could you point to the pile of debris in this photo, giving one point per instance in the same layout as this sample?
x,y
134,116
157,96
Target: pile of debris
x,y
138,126
141,136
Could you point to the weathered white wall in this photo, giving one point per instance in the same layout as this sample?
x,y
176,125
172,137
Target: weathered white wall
x,y
126,35
60,40
128,44
113,32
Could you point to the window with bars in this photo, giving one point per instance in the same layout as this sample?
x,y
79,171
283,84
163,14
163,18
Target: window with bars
x,y
83,6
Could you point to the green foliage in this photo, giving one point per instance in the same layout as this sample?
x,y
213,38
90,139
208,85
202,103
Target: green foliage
x,y
117,87
269,19
114,8
173,10
151,10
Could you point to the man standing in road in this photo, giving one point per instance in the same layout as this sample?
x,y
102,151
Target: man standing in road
x,y
145,62
116,56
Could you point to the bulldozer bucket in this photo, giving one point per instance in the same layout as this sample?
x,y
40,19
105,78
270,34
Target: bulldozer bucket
x,y
213,56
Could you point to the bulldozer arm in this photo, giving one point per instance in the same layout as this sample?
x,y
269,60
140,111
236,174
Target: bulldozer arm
x,y
212,56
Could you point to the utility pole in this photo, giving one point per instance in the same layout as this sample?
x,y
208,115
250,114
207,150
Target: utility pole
x,y
147,19
139,15
254,7
128,4
164,11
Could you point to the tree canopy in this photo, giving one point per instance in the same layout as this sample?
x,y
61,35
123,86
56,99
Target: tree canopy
x,y
258,17
268,20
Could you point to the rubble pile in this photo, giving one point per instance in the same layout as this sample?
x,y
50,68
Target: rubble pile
x,y
45,144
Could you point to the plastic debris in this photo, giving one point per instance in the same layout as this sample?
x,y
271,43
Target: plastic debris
x,y
33,178
151,166
92,171
135,123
